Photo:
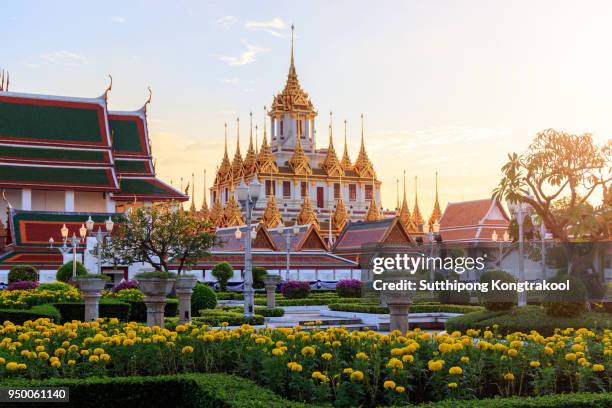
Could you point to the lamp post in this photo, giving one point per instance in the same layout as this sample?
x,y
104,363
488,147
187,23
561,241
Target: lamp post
x,y
520,210
247,197
100,236
74,244
543,236
431,236
505,239
289,233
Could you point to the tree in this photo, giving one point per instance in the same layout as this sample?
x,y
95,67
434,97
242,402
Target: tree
x,y
561,176
163,236
223,271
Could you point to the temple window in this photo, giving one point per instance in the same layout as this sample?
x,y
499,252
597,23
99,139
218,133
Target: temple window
x,y
282,127
352,192
270,187
336,191
303,189
368,192
214,197
286,189
226,194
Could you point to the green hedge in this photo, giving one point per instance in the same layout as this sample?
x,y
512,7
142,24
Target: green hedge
x,y
415,308
263,311
138,310
19,316
527,318
184,390
108,308
576,400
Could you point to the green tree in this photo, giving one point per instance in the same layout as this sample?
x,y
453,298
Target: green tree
x,y
162,235
223,271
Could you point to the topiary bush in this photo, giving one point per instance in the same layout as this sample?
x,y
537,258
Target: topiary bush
x,y
295,289
64,273
498,299
451,297
203,297
21,273
565,303
258,276
223,271
349,288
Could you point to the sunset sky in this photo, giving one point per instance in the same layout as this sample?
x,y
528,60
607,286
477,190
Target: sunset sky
x,y
451,86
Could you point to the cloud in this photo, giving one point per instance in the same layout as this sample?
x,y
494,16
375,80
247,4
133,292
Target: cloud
x,y
232,81
226,21
64,57
276,27
119,19
246,57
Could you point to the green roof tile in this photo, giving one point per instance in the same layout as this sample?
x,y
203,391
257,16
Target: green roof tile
x,y
131,166
125,136
55,175
22,152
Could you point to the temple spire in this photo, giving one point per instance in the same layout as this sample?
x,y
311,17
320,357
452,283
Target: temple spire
x,y
417,218
404,212
204,208
331,164
436,213
192,208
250,160
299,161
397,203
237,170
292,66
346,160
363,165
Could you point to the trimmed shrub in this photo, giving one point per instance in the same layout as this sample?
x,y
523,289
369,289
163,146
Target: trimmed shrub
x,y
451,296
203,297
349,288
574,400
54,286
125,284
263,311
20,273
64,273
565,303
498,299
215,317
223,271
415,308
108,308
22,285
37,312
258,275
295,289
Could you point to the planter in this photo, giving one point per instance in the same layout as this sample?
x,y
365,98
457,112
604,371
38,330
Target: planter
x,y
271,282
91,289
184,288
155,291
398,301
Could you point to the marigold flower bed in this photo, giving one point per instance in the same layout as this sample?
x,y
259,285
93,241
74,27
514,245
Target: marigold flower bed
x,y
320,366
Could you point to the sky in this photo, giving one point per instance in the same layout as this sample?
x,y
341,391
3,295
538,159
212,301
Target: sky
x,y
446,86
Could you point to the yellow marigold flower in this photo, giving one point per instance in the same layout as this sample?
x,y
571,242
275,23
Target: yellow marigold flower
x,y
548,351
23,337
435,365
570,357
12,366
296,368
347,370
336,344
452,385
512,352
598,367
407,358
326,356
488,334
577,347
187,350
105,357
308,351
516,344
534,364
509,377
389,385
94,359
425,336
43,355
60,351
400,389
2,360
40,348
97,351
361,356
465,360
455,370
71,362
356,375
56,364
395,363
445,348
224,324
260,340
180,328
277,352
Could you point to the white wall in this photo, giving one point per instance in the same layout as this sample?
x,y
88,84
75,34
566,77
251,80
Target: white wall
x,y
85,201
47,200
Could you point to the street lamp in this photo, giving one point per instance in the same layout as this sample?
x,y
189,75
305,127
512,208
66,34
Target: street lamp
x,y
520,210
289,233
543,234
100,236
431,236
65,249
247,197
505,239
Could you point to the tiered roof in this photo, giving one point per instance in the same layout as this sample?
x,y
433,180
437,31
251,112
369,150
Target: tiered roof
x,y
473,221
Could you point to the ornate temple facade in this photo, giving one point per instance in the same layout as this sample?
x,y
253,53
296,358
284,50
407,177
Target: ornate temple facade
x,y
304,184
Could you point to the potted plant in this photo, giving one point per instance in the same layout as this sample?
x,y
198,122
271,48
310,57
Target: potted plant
x,y
155,285
91,286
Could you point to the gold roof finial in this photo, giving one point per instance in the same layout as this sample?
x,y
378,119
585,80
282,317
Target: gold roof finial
x,y
299,161
340,216
373,214
232,215
331,164
307,214
346,160
271,216
292,66
397,203
436,213
250,160
204,211
265,159
404,214
363,165
216,213
237,170
225,170
192,208
417,218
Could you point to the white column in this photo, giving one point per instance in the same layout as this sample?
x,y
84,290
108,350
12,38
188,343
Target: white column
x,y
110,204
26,199
69,201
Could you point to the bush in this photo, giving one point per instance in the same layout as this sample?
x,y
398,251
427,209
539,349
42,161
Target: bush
x,y
452,296
182,390
573,400
223,271
64,273
22,273
54,287
22,285
37,312
263,311
215,317
108,308
124,294
230,295
295,289
138,310
565,303
258,276
349,288
415,308
125,284
498,299
203,297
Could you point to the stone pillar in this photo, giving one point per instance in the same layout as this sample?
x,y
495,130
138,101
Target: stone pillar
x,y
398,315
271,281
69,201
155,310
91,288
184,289
397,298
155,291
26,199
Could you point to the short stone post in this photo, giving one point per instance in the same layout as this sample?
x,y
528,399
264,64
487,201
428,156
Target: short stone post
x,y
398,314
91,288
271,282
155,291
398,299
184,289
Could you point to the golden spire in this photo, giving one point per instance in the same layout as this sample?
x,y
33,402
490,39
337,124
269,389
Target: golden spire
x,y
299,162
331,164
346,160
340,217
363,165
397,204
417,219
404,212
436,214
265,158
192,208
373,214
216,213
225,170
271,216
237,171
204,211
250,160
307,214
232,215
